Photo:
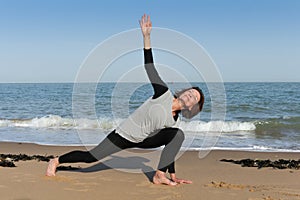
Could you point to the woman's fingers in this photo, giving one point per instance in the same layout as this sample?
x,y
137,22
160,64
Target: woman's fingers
x,y
183,181
187,181
145,20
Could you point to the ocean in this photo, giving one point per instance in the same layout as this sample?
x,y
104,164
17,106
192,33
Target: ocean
x,y
259,116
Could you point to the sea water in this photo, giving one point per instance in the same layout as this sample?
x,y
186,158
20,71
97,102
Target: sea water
x,y
259,116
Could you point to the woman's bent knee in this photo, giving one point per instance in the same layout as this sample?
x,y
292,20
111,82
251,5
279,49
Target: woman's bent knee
x,y
180,135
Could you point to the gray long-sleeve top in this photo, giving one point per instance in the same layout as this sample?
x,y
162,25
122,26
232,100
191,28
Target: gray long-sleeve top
x,y
155,113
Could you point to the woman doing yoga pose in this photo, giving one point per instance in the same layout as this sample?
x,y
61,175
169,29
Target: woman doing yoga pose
x,y
150,126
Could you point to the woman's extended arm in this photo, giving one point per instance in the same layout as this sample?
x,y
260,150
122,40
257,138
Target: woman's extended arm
x,y
146,27
158,85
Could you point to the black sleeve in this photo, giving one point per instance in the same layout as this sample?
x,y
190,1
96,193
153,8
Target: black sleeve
x,y
158,85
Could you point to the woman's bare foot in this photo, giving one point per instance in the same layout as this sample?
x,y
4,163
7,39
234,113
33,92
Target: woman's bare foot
x,y
160,178
53,163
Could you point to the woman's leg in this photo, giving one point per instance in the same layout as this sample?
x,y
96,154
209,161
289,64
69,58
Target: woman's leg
x,y
111,144
172,138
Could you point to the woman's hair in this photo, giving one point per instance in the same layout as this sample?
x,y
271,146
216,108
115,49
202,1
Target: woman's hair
x,y
196,108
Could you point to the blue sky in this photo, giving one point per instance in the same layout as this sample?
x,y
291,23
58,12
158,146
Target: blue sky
x,y
249,40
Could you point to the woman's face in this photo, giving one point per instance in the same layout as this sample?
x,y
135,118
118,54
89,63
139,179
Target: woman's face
x,y
189,98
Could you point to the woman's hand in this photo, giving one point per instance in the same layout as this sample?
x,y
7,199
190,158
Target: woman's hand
x,y
178,180
146,25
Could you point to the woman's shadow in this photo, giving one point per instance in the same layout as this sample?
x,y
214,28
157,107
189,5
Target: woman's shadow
x,y
116,162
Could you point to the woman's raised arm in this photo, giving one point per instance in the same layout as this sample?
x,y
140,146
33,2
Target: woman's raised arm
x,y
158,84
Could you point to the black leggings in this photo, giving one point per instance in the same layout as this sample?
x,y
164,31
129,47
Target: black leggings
x,y
172,138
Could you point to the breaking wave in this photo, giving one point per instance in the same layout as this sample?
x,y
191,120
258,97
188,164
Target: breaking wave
x,y
58,122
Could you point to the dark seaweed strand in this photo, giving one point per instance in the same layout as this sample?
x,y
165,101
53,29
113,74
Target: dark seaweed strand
x,y
7,160
278,164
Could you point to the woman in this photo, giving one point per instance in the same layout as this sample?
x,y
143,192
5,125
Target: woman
x,y
150,126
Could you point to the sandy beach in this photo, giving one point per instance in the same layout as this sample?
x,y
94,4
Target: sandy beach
x,y
211,178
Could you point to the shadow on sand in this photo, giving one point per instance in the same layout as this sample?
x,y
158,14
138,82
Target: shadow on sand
x,y
133,163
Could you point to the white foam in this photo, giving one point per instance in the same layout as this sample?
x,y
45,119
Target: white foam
x,y
5,123
58,122
217,126
251,149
